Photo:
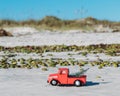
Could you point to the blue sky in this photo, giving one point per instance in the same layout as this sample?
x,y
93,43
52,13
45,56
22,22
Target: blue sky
x,y
65,9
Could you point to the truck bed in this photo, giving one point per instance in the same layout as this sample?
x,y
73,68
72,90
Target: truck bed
x,y
72,76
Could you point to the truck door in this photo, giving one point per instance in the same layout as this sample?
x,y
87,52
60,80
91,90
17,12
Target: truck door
x,y
63,77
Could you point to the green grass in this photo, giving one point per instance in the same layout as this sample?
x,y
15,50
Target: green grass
x,y
9,60
45,63
109,49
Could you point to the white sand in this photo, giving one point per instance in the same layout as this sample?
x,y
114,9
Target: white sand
x,y
58,38
23,82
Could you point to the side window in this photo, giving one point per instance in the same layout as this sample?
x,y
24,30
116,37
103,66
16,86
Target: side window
x,y
63,72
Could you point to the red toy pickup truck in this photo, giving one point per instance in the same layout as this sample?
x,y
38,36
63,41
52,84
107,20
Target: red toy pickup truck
x,y
63,77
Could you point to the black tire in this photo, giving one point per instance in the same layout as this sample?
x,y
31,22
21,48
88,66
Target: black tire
x,y
54,82
77,83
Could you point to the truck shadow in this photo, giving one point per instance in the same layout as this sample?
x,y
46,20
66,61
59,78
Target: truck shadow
x,y
88,83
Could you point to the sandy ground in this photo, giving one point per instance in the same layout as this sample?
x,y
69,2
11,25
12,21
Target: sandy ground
x,y
32,82
21,31
23,82
31,36
64,55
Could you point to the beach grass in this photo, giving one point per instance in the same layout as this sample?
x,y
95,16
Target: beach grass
x,y
53,23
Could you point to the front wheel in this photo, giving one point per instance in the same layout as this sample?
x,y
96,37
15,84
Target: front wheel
x,y
77,83
54,82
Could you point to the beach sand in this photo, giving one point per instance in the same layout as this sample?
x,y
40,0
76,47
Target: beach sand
x,y
33,82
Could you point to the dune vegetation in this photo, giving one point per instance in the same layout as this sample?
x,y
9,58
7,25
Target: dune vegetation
x,y
110,49
54,23
10,60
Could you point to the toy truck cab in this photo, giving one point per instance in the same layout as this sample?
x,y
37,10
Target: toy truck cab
x,y
63,77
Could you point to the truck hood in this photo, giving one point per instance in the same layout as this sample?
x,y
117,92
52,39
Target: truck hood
x,y
53,76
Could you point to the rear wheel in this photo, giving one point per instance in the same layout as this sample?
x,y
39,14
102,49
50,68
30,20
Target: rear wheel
x,y
54,82
77,83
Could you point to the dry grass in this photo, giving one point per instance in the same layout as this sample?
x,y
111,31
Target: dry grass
x,y
54,23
